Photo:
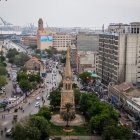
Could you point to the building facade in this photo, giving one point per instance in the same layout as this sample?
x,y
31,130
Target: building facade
x,y
29,40
125,96
87,41
119,56
44,37
87,61
61,41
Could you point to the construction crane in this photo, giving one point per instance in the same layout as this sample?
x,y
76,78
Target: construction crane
x,y
4,22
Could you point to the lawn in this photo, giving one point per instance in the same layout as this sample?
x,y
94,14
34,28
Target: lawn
x,y
77,131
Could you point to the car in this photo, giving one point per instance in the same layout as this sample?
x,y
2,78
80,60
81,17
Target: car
x,y
38,98
9,132
37,104
1,92
3,88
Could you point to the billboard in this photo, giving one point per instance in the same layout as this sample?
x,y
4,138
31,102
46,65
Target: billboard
x,y
46,38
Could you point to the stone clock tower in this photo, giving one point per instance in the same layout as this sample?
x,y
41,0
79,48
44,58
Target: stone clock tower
x,y
67,94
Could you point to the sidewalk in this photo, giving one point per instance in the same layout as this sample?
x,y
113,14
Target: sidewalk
x,y
76,138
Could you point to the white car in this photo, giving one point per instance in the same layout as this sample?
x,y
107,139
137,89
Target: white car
x,y
38,98
37,104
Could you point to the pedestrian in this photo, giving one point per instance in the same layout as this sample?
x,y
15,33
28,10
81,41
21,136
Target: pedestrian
x,y
1,132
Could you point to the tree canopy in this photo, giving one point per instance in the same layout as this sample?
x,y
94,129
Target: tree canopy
x,y
85,77
17,58
45,112
34,128
28,82
3,70
2,81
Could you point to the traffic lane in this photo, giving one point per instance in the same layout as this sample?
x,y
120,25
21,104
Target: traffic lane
x,y
29,108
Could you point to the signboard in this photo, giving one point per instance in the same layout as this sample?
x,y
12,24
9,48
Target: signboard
x,y
46,38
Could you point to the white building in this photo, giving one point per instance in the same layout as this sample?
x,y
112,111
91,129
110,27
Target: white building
x,y
119,55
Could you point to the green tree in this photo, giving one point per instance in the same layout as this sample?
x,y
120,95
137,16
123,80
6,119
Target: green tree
x,y
3,70
55,97
85,77
21,76
68,114
45,112
20,59
41,124
2,58
116,133
11,53
26,132
2,81
25,85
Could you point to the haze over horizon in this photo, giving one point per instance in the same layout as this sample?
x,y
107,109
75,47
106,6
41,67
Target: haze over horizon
x,y
70,13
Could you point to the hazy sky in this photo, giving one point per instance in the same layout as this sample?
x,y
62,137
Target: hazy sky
x,y
70,13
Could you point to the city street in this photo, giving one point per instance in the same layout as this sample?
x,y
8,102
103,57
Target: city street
x,y
51,81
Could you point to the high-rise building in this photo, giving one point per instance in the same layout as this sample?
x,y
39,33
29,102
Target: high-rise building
x,y
119,55
44,37
67,94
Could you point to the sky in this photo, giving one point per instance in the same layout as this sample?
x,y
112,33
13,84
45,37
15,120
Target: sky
x,y
70,13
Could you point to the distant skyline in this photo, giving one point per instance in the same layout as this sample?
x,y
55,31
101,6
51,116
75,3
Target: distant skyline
x,y
70,13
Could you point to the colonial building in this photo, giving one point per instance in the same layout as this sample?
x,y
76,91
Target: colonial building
x,y
44,37
33,65
67,94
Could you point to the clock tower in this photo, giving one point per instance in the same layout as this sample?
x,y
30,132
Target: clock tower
x,y
67,94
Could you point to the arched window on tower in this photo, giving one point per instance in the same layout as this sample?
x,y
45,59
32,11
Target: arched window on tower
x,y
66,87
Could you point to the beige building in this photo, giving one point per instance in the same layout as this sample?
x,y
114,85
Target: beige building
x,y
33,65
87,61
29,40
44,37
119,56
61,41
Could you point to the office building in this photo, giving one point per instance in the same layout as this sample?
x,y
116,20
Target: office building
x,y
119,55
61,41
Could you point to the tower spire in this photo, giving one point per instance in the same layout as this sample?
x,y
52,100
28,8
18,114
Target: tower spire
x,y
67,94
68,72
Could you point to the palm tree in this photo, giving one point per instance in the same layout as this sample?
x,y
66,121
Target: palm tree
x,y
68,115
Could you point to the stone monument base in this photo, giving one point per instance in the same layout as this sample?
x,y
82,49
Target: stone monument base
x,y
57,120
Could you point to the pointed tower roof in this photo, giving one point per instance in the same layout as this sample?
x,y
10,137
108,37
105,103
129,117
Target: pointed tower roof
x,y
68,72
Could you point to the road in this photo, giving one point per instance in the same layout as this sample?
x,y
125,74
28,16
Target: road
x,y
53,79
